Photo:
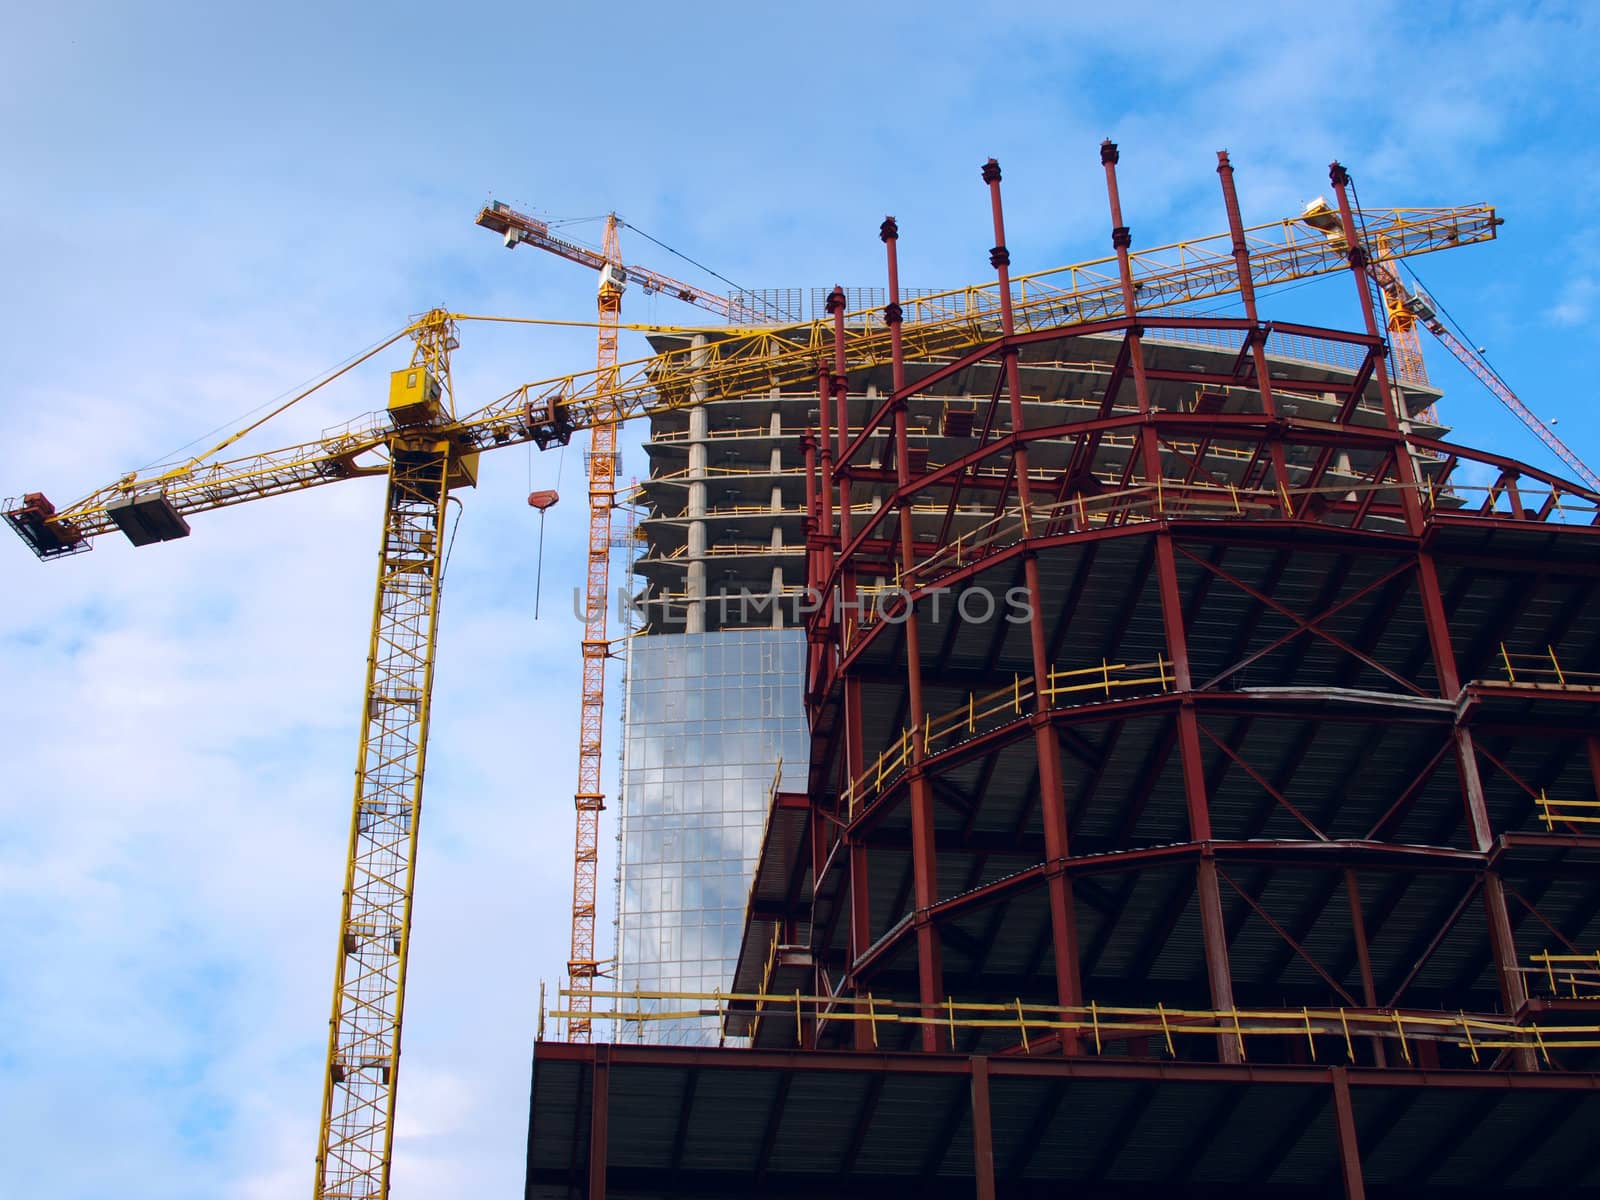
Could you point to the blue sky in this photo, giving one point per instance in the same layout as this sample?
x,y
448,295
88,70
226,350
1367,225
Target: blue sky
x,y
203,205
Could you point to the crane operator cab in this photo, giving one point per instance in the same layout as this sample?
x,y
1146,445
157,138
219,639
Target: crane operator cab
x,y
414,396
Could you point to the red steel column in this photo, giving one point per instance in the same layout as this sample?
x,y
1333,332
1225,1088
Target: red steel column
x,y
982,1131
841,408
924,860
1344,1117
1052,791
1357,253
830,384
1214,934
845,599
815,575
825,468
1502,946
1358,929
1247,293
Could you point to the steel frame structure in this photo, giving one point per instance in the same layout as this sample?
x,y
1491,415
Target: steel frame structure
x,y
809,1123
1299,718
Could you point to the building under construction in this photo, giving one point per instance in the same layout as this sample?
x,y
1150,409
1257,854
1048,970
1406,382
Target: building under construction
x,y
1202,778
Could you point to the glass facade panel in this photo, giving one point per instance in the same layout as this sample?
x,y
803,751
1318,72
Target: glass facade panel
x,y
709,716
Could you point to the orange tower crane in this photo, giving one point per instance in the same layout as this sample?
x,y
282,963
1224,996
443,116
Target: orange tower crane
x,y
1405,309
1408,308
519,229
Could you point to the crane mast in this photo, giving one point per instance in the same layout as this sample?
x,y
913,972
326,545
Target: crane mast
x,y
356,1138
589,801
518,228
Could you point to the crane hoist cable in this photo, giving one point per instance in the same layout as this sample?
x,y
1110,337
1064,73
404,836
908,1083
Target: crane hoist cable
x,y
679,253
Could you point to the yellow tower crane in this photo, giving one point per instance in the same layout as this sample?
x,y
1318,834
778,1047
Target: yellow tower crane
x,y
424,449
519,229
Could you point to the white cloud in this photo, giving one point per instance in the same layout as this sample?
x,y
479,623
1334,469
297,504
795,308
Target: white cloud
x,y
1576,302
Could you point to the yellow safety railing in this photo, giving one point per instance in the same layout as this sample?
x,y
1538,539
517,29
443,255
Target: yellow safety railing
x,y
1574,976
1098,1025
1544,670
766,978
1567,812
983,712
1172,500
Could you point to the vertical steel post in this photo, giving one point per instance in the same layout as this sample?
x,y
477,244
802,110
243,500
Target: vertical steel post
x,y
1257,335
844,594
841,409
1503,948
839,598
825,411
1436,620
1358,930
924,858
982,1131
1052,791
1214,933
1344,1117
1404,467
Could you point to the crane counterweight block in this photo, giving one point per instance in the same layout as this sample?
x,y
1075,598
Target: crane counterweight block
x,y
33,519
146,520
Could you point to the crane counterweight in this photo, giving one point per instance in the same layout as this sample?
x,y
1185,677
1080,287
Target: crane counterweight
x,y
148,519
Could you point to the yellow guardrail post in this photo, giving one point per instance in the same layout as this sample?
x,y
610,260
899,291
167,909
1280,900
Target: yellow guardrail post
x,y
1506,658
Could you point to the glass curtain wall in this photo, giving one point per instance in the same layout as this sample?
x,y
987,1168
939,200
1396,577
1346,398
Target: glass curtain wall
x,y
709,717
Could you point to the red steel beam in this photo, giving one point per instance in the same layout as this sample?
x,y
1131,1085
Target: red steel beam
x,y
1345,1124
1049,1068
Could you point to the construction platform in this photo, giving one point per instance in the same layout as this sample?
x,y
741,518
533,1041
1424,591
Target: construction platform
x,y
676,1122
